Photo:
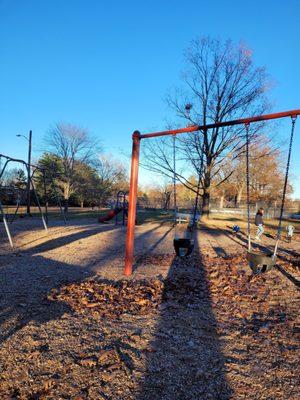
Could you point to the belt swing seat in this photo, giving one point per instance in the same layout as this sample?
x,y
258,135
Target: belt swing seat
x,y
264,261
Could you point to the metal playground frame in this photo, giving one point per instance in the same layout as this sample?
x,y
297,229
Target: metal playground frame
x,y
136,140
33,169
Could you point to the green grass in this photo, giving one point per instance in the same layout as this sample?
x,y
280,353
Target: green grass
x,y
152,216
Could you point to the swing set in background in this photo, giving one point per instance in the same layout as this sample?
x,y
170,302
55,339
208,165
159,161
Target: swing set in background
x,y
184,238
33,169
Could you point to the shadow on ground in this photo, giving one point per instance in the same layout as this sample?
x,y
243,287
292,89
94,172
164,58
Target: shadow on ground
x,y
186,361
284,254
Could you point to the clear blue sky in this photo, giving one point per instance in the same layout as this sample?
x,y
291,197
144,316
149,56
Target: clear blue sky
x,y
108,65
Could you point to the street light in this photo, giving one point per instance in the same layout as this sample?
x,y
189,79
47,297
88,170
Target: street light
x,y
25,137
29,139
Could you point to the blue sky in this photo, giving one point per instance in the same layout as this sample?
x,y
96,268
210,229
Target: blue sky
x,y
108,65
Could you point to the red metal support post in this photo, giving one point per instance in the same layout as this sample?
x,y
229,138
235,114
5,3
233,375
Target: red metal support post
x,y
136,139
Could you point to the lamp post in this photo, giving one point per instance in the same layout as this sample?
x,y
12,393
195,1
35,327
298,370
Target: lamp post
x,y
29,139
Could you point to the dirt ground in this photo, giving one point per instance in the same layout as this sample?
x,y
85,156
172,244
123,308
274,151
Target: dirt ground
x,y
72,327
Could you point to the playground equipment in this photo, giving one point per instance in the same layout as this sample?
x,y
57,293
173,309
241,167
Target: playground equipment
x,y
120,206
33,169
123,205
264,261
185,223
110,215
136,140
16,196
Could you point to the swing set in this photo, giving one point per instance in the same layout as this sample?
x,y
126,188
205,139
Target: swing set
x,y
258,262
33,169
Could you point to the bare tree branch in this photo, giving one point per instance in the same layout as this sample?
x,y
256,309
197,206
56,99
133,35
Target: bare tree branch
x,y
221,83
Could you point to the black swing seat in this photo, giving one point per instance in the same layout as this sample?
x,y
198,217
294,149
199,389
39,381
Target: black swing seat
x,y
183,247
261,262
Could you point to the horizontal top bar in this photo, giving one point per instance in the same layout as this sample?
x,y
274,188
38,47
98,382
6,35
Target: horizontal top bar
x,y
21,162
194,128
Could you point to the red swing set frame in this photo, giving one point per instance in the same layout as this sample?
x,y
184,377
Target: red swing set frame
x,y
136,141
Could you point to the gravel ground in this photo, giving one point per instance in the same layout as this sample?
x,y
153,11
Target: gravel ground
x,y
199,328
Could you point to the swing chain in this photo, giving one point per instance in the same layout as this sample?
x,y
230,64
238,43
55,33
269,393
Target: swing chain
x,y
247,127
294,118
200,172
174,176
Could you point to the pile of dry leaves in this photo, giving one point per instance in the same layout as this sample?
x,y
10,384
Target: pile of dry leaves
x,y
111,299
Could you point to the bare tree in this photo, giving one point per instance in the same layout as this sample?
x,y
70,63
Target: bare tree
x,y
71,144
157,195
220,83
112,177
266,178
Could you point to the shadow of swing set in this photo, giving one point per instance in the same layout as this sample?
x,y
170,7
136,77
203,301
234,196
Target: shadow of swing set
x,y
46,175
185,224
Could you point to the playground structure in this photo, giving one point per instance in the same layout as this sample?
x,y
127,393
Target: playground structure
x,y
185,224
18,196
120,206
32,169
122,203
257,259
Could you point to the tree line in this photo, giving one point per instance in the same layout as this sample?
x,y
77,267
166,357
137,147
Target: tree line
x,y
266,185
75,170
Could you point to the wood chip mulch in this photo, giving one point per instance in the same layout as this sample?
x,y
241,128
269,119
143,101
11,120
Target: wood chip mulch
x,y
209,330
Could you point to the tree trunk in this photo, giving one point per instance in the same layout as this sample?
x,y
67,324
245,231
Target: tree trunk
x,y
239,195
81,204
205,203
66,206
206,191
221,206
167,201
67,191
235,200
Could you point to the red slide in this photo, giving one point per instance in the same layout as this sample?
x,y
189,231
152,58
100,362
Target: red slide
x,y
111,214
